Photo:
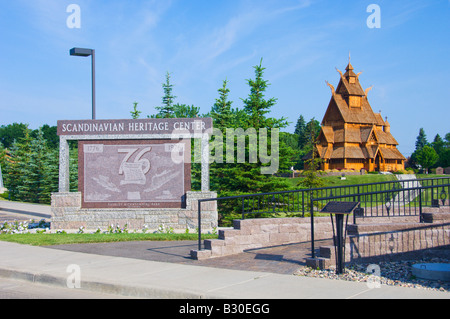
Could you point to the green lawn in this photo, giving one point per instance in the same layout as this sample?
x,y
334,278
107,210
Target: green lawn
x,y
46,239
349,179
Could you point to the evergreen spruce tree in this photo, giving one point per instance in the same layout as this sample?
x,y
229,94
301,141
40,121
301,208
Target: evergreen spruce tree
x,y
50,175
73,169
167,109
18,174
300,128
246,177
421,140
256,106
36,168
221,111
135,113
185,111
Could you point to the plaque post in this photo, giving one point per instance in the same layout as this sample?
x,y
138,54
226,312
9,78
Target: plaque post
x,y
339,209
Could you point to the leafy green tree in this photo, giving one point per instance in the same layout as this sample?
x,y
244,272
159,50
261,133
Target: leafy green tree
x,y
444,158
427,157
49,134
439,146
447,140
11,132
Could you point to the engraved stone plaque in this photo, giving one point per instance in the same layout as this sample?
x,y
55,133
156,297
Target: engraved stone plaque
x,y
134,173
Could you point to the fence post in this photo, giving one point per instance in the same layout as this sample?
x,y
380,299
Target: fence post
x,y
243,207
303,203
420,205
312,226
199,225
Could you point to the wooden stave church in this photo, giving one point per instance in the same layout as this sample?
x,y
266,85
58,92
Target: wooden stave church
x,y
352,136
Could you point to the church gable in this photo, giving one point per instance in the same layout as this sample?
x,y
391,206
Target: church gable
x,y
333,114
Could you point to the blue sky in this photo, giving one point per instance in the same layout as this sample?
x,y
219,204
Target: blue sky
x,y
201,43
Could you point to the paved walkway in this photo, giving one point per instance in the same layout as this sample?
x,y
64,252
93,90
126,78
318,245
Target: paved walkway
x,y
164,270
285,259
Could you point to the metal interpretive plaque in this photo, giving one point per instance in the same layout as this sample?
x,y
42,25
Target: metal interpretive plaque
x,y
134,173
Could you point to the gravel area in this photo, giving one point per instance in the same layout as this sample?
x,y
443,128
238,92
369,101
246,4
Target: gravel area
x,y
393,273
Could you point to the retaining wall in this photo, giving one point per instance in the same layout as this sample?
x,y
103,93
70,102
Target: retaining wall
x,y
264,232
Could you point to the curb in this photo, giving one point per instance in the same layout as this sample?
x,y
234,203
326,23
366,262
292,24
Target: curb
x,y
100,287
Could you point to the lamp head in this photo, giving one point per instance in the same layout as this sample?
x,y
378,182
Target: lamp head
x,y
81,52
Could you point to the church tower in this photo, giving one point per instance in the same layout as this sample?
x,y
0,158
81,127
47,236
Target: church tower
x,y
352,135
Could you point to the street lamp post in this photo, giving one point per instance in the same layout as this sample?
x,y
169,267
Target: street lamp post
x,y
85,53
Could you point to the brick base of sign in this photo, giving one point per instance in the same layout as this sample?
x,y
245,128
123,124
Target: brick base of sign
x,y
67,214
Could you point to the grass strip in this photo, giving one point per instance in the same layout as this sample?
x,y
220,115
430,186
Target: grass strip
x,y
46,239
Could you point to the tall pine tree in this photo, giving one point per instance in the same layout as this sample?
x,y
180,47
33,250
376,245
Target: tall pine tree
x,y
221,111
36,169
246,177
18,175
167,109
300,129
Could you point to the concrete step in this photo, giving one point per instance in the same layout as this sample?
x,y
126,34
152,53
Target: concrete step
x,y
359,229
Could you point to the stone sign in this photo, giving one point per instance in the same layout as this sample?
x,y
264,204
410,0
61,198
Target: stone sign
x,y
138,174
439,171
135,173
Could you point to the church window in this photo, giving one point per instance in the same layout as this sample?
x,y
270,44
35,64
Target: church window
x,y
355,101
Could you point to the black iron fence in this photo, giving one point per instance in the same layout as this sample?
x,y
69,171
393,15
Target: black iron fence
x,y
392,204
381,199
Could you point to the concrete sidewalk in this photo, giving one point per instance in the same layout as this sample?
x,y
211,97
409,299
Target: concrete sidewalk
x,y
152,279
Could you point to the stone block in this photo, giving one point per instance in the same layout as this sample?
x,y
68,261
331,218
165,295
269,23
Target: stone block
x,y
200,254
318,263
278,238
66,200
270,228
209,243
297,237
290,228
227,233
